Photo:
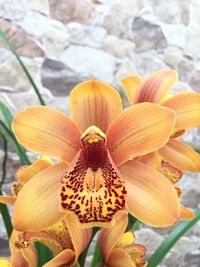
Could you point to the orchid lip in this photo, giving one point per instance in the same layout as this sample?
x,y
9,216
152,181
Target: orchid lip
x,y
92,187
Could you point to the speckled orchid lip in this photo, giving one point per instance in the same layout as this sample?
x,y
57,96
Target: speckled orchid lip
x,y
95,150
154,89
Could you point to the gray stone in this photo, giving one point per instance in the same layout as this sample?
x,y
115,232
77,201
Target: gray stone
x,y
40,6
185,69
86,35
13,10
24,44
71,10
195,81
147,62
175,34
172,56
147,35
91,62
118,47
192,259
58,77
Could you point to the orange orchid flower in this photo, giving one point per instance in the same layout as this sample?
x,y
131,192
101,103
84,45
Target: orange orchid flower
x,y
93,178
154,89
64,239
119,248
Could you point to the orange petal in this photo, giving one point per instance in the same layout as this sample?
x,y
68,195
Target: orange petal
x,y
138,130
93,195
66,259
156,86
94,103
25,173
181,156
37,205
7,200
131,85
153,159
186,214
187,108
109,236
151,197
79,237
172,173
120,258
47,131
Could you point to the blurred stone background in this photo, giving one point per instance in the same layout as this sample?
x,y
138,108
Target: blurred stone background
x,y
63,42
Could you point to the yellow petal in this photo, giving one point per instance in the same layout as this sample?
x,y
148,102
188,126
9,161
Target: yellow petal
x,y
47,131
187,108
94,103
4,262
153,159
7,200
151,197
139,130
25,173
172,173
186,214
37,205
79,237
109,236
120,258
66,259
131,85
156,86
181,156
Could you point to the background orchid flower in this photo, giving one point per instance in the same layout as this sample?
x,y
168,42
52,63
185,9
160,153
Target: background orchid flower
x,y
172,173
91,180
23,175
119,248
154,89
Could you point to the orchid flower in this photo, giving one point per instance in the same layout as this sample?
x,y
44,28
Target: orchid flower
x,y
119,248
93,178
64,239
154,89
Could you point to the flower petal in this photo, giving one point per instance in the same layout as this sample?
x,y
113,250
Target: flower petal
x,y
79,237
140,129
5,262
108,237
47,131
120,258
186,214
37,206
181,156
25,173
94,103
187,108
154,87
93,195
66,258
131,85
151,197
7,200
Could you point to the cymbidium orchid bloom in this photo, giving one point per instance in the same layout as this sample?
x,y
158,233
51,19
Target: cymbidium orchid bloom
x,y
154,89
64,239
119,249
93,178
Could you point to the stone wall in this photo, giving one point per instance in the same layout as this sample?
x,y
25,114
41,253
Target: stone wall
x,y
63,42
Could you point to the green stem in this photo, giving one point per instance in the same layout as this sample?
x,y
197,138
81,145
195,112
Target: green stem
x,y
11,47
82,257
96,255
3,207
171,239
8,135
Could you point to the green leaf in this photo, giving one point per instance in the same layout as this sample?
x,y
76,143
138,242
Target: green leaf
x,y
6,114
171,240
12,49
44,254
96,255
